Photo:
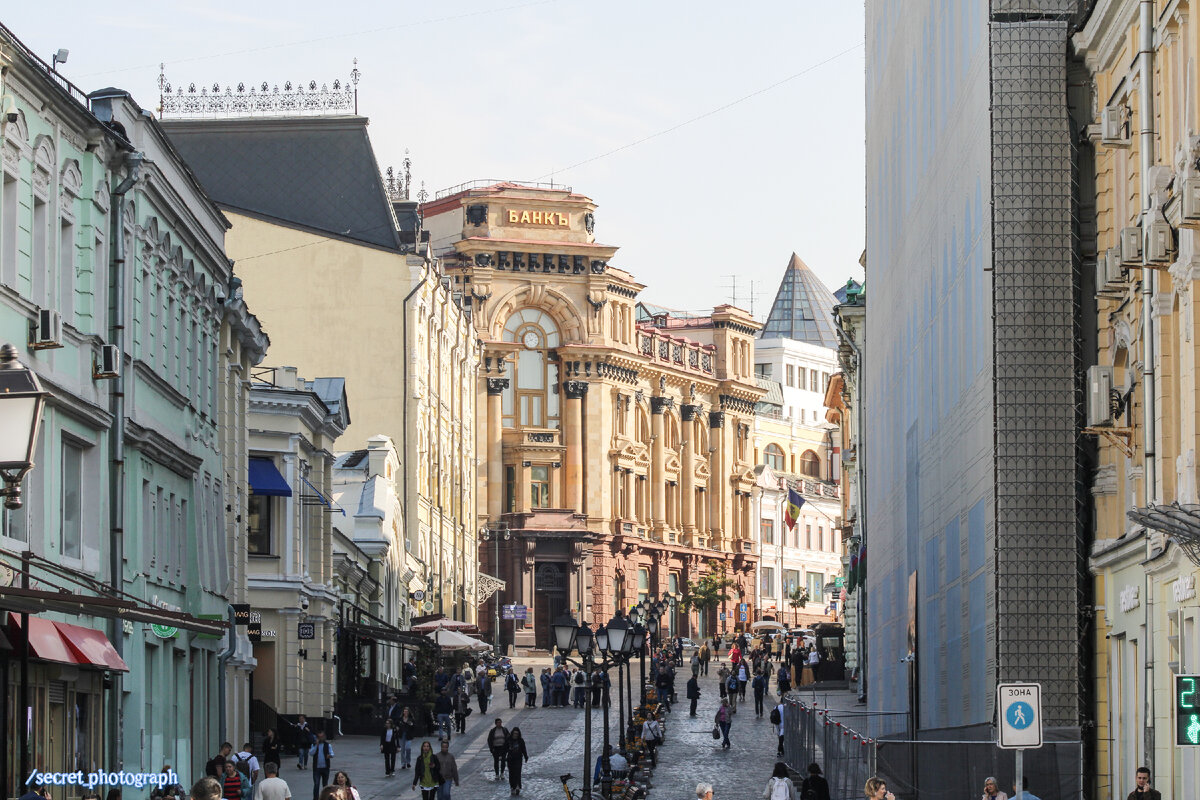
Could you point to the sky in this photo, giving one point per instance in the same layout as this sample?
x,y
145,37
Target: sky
x,y
716,138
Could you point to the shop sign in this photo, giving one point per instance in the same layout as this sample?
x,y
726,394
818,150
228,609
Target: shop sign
x,y
1184,588
241,613
554,218
164,631
306,630
254,631
1129,598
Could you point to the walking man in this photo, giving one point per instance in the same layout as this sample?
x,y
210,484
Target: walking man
x,y
777,721
449,770
693,692
272,787
497,742
322,757
483,690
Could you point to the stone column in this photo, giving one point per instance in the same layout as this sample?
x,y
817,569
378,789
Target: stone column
x,y
658,464
573,431
687,472
717,477
495,451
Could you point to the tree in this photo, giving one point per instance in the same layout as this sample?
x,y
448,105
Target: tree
x,y
798,598
708,592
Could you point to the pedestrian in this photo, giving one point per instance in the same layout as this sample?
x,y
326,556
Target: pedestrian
x,y
1024,793
247,765
516,754
780,786
233,784
407,726
735,656
207,788
342,780
1143,791
305,739
663,685
693,693
392,709
215,766
651,737
759,685
497,742
512,685
731,691
876,789
743,672
322,759
704,791
784,680
546,688
814,787
462,709
777,721
271,747
694,663
427,773
529,684
580,688
389,741
723,681
991,790
704,655
723,719
449,770
597,686
483,691
443,708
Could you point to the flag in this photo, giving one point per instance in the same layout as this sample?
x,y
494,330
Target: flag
x,y
792,512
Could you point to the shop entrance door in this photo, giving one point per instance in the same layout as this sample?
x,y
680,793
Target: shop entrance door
x,y
549,601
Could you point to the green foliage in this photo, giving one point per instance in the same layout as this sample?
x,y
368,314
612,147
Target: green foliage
x,y
799,597
708,592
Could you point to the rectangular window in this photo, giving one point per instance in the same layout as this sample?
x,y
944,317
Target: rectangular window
x,y
768,531
824,381
510,489
763,370
791,580
643,584
38,265
673,584
800,373
791,375
816,583
8,232
820,537
808,536
66,277
813,377
768,581
539,487
72,501
259,512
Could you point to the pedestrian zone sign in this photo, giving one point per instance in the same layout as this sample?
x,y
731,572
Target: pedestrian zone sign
x,y
1020,708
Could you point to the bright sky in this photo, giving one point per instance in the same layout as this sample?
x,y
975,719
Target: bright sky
x,y
717,138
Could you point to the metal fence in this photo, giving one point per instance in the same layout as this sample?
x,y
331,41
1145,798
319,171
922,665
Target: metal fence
x,y
842,744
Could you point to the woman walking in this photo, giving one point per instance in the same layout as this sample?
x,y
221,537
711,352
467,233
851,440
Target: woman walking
x,y
529,684
723,719
780,786
342,780
271,747
428,773
407,726
814,786
517,755
389,741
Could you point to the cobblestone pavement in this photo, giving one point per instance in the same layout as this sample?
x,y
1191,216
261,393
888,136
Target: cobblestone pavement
x,y
555,741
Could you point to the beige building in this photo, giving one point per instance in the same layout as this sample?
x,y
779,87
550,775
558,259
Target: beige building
x,y
1142,394
615,451
346,289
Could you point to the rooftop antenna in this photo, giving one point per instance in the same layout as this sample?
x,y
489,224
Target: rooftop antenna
x,y
407,173
354,75
733,289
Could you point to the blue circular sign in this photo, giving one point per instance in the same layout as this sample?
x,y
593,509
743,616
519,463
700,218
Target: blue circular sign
x,y
1019,715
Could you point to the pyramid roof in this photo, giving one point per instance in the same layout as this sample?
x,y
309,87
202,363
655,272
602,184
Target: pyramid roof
x,y
803,308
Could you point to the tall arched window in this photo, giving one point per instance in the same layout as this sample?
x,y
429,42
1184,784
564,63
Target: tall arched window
x,y
810,464
773,457
531,399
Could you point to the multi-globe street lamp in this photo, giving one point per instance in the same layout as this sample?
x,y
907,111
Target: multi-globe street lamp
x,y
495,532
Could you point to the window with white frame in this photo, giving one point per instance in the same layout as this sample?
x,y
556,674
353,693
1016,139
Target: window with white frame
x,y
71,501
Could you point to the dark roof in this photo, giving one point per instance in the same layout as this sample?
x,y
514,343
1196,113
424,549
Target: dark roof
x,y
351,460
317,173
803,308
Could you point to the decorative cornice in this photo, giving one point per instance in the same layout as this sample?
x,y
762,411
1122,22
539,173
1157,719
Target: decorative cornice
x,y
575,390
496,386
660,404
716,419
738,404
688,411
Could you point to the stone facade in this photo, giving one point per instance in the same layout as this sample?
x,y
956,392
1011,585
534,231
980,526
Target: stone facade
x,y
616,451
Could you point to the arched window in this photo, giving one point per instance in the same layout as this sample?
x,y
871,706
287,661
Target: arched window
x,y
531,399
810,464
773,457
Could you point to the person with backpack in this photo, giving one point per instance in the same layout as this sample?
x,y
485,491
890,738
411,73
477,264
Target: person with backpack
x,y
246,764
215,767
784,680
693,693
780,786
814,787
743,673
513,686
529,684
580,689
777,721
759,685
731,691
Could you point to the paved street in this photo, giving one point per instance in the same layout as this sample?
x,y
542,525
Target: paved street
x,y
555,741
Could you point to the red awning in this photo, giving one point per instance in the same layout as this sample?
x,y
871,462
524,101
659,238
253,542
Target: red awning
x,y
68,644
91,646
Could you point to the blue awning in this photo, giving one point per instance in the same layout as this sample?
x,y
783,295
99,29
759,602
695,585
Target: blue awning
x,y
266,480
316,498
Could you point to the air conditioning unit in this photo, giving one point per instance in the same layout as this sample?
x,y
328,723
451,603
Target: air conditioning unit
x,y
46,333
1131,246
1114,130
1099,396
108,363
1190,199
1160,242
1109,273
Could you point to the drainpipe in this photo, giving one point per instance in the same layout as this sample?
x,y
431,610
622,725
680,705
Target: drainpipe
x,y
222,659
412,378
860,608
1145,68
133,165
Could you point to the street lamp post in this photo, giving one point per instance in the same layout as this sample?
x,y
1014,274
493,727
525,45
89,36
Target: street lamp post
x,y
495,534
21,402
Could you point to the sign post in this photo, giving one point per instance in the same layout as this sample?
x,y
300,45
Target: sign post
x,y
1019,706
1187,710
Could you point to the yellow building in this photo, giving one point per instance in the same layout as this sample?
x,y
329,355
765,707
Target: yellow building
x,y
614,451
345,289
1142,393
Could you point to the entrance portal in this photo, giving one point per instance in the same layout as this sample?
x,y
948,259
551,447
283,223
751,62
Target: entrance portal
x,y
550,600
